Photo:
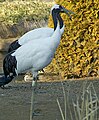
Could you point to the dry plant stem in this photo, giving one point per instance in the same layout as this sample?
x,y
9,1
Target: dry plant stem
x,y
92,111
92,115
95,92
60,109
86,118
75,111
83,96
69,109
63,117
65,101
96,106
78,110
87,109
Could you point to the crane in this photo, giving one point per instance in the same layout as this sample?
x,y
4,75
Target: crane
x,y
35,54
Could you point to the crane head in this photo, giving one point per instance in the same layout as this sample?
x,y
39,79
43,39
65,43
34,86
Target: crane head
x,y
60,9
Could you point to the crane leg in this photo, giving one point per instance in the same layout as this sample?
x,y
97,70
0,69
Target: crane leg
x,y
34,85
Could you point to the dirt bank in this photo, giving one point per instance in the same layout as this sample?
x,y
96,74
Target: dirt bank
x,y
10,33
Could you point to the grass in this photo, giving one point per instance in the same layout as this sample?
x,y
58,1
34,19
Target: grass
x,y
16,11
85,108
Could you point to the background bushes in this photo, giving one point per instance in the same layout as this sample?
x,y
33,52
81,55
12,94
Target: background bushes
x,y
78,53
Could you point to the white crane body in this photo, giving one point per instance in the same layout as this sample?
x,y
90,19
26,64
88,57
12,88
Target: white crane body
x,y
36,54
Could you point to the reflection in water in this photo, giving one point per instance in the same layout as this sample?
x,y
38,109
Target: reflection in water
x,y
2,54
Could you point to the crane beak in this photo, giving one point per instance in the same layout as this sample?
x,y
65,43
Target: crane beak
x,y
68,12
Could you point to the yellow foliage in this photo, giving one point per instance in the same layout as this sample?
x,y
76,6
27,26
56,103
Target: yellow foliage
x,y
78,52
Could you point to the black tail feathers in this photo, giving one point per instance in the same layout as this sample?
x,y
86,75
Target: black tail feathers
x,y
5,80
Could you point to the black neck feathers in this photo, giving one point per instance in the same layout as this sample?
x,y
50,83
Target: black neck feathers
x,y
60,21
55,21
56,16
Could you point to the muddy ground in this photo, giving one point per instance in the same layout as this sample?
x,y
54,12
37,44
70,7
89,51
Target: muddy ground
x,y
15,99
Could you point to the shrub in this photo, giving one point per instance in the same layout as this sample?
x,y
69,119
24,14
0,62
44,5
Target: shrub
x,y
78,53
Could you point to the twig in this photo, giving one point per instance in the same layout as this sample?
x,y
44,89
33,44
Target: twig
x,y
60,109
